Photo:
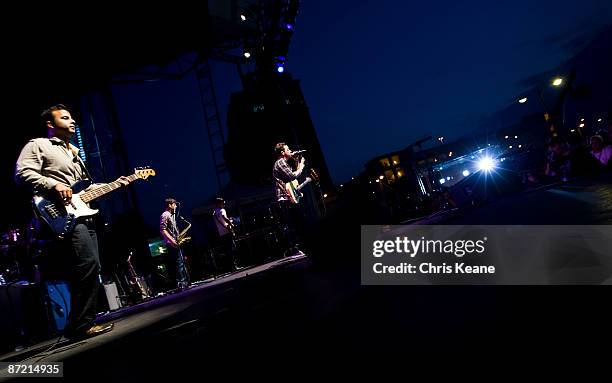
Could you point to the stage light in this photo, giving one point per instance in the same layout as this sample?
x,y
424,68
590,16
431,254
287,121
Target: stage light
x,y
448,178
377,181
280,69
522,100
247,54
381,177
442,181
582,120
325,195
289,26
515,136
506,137
557,81
486,164
243,17
599,119
520,146
466,173
509,146
581,125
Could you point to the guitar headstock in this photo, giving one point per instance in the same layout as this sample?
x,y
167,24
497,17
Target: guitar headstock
x,y
144,172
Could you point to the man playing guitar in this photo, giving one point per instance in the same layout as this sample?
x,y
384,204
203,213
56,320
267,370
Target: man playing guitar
x,y
284,176
226,230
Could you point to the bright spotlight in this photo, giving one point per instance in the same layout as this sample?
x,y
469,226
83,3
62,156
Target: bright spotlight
x,y
466,173
243,17
442,181
486,164
558,81
522,100
280,69
247,54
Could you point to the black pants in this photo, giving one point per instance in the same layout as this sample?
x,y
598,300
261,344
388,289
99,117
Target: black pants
x,y
292,222
84,263
226,242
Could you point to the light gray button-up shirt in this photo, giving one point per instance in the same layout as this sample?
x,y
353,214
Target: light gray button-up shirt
x,y
45,162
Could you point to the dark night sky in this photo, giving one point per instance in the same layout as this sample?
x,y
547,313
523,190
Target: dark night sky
x,y
404,69
400,68
412,68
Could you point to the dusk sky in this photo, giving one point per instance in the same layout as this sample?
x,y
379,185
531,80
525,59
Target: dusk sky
x,y
376,75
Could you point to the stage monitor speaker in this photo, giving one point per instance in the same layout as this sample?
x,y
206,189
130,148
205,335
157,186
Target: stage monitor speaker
x,y
58,299
23,319
112,296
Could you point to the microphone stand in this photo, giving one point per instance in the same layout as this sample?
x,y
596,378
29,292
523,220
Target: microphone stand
x,y
180,250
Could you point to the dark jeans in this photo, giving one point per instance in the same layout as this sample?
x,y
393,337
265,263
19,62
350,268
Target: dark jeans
x,y
227,246
180,273
84,263
292,222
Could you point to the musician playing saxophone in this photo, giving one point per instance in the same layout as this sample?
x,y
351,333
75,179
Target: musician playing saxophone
x,y
170,233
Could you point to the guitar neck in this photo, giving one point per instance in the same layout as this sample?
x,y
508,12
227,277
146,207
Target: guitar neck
x,y
98,192
300,186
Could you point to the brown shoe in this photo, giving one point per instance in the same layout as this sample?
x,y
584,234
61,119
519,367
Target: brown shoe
x,y
99,329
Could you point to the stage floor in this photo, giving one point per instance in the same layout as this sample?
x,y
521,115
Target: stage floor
x,y
168,314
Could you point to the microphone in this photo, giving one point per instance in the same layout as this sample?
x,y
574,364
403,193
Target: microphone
x,y
298,152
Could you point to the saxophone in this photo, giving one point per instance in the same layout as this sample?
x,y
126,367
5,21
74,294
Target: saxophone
x,y
137,281
181,238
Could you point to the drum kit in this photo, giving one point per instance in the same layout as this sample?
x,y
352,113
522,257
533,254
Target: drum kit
x,y
19,249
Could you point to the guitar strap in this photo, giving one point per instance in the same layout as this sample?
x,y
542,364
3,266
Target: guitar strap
x,y
80,161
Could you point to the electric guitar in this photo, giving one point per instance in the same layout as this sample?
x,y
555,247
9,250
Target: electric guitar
x,y
293,188
62,218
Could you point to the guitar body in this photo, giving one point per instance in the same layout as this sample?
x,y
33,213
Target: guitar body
x,y
61,218
293,188
293,191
